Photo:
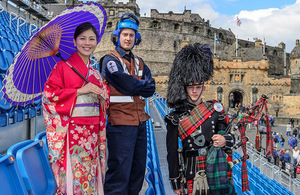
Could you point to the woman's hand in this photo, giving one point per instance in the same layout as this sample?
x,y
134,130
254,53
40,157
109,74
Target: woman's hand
x,y
89,88
219,140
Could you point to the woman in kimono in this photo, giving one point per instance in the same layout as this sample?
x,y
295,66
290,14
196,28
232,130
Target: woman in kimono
x,y
74,113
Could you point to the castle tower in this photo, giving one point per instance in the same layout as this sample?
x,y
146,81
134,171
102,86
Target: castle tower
x,y
295,68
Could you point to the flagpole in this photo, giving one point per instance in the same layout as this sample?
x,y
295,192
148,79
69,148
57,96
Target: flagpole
x,y
238,22
264,50
236,46
215,44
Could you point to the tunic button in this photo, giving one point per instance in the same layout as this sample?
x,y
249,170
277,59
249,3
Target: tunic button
x,y
191,145
213,126
213,131
189,141
209,116
212,122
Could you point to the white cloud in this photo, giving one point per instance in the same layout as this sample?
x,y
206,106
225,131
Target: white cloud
x,y
257,14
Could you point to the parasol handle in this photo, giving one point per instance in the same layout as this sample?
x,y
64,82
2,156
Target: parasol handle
x,y
59,55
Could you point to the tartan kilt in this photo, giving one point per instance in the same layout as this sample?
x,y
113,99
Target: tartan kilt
x,y
200,165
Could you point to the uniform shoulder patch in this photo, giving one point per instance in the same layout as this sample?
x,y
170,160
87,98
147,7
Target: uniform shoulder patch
x,y
218,107
112,66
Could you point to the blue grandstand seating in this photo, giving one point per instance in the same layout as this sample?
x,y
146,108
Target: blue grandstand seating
x,y
35,169
9,56
4,119
1,44
43,137
3,33
14,46
15,148
3,62
19,115
10,35
150,179
6,43
153,176
4,105
11,180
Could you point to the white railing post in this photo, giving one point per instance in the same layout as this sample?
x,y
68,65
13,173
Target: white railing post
x,y
11,19
30,28
19,25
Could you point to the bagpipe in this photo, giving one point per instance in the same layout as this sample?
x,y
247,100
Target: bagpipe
x,y
253,114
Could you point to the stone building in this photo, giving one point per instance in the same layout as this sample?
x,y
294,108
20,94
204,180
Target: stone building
x,y
243,71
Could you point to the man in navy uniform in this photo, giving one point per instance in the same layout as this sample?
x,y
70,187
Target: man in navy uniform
x,y
129,81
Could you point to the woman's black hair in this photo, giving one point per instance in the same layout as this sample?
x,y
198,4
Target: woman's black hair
x,y
84,27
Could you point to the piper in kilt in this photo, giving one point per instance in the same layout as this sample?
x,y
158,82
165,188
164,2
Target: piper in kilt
x,y
201,166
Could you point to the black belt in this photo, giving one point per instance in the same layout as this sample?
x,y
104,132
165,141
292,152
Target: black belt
x,y
199,152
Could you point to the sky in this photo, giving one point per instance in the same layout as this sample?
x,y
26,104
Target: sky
x,y
274,21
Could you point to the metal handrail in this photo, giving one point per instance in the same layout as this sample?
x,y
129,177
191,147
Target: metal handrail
x,y
11,19
281,176
19,25
30,28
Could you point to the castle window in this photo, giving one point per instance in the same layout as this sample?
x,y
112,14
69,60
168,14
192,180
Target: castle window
x,y
111,12
176,26
219,94
109,24
221,36
196,29
209,33
254,95
155,24
175,45
231,77
242,78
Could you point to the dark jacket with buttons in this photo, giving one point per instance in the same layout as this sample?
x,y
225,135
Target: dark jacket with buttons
x,y
215,123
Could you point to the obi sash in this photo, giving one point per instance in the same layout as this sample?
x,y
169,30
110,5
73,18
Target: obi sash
x,y
86,105
189,123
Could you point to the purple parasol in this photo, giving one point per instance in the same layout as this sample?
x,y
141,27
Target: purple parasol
x,y
25,79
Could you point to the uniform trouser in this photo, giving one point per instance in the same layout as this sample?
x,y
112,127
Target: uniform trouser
x,y
127,150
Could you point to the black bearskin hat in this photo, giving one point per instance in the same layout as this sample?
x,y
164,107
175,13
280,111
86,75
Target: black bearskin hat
x,y
193,64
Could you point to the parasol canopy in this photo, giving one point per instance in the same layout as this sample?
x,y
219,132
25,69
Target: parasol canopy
x,y
25,79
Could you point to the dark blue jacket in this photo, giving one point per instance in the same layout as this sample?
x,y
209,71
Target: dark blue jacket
x,y
286,157
127,84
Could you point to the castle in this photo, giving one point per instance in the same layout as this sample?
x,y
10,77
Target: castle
x,y
242,74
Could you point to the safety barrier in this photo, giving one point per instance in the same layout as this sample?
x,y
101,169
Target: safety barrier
x,y
265,177
153,176
161,105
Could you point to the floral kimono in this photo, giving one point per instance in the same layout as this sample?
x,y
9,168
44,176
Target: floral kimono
x,y
75,128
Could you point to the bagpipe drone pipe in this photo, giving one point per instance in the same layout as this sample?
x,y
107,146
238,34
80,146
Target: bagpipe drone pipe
x,y
253,114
